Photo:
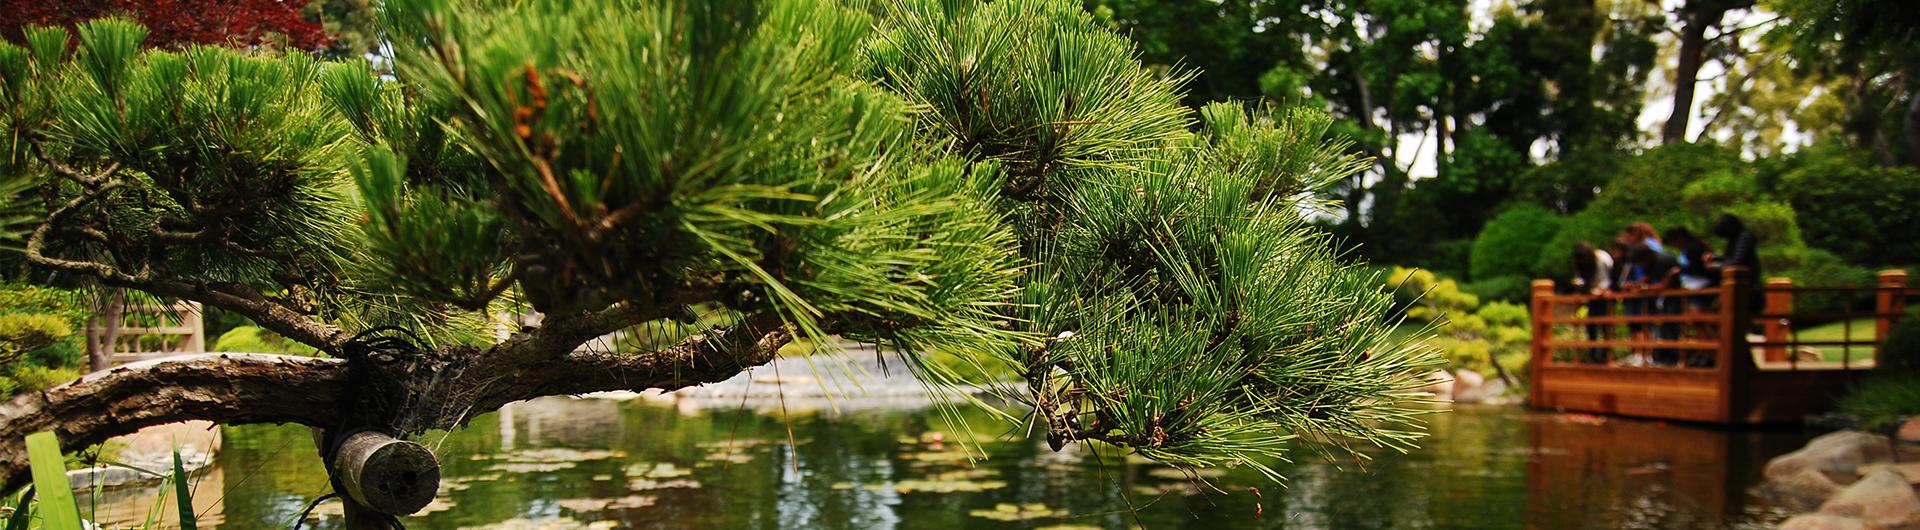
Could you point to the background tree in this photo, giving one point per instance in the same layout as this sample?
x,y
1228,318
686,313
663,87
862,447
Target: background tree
x,y
1872,46
177,23
1003,181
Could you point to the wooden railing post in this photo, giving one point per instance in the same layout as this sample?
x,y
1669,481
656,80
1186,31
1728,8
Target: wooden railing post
x,y
1542,333
1733,356
1889,302
1778,329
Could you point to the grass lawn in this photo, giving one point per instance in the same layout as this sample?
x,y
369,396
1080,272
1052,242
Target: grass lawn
x,y
1862,330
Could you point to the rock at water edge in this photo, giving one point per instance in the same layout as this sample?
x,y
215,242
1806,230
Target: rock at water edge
x,y
1802,491
1839,455
1882,498
1821,521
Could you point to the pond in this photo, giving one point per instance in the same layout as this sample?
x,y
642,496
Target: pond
x,y
589,463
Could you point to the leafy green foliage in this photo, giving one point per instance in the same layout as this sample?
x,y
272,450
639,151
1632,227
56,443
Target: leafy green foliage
x,y
1883,400
1864,213
1510,288
1189,312
993,188
183,493
1512,241
252,339
25,332
1684,185
1900,351
38,346
1820,268
1472,335
58,511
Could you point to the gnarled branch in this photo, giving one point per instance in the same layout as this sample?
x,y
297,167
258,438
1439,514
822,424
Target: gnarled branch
x,y
251,388
227,388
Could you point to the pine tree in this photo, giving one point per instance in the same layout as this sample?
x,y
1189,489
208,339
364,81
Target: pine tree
x,y
1002,181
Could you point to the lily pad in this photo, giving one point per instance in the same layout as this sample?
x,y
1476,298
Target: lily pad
x,y
941,486
600,505
662,470
647,484
561,454
1007,512
530,467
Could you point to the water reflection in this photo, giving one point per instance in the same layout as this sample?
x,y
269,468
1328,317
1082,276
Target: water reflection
x,y
570,463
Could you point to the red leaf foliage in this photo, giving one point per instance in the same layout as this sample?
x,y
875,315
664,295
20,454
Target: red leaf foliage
x,y
176,23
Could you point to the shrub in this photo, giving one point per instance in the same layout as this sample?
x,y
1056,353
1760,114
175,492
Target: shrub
x,y
29,378
1883,399
1512,241
68,305
254,339
21,333
1471,334
1681,185
60,354
1504,314
1863,212
1900,351
1508,288
1424,296
1820,268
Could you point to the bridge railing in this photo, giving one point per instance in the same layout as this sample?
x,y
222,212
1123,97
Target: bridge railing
x,y
1706,329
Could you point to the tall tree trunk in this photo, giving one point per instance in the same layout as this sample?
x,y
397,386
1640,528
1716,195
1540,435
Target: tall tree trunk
x,y
1864,125
103,331
1693,44
1911,134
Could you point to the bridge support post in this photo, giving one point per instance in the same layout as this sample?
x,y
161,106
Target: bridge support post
x,y
1779,302
1889,302
1542,332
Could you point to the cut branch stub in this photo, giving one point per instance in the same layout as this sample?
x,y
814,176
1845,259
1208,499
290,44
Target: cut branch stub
x,y
387,474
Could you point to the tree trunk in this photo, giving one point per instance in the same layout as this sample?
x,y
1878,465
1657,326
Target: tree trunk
x,y
1693,44
1864,124
103,331
1912,130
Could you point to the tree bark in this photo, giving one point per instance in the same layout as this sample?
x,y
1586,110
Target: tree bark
x,y
440,389
1912,130
103,336
377,473
1693,44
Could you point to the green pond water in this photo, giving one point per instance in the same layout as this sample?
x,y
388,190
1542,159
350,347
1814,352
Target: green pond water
x,y
581,463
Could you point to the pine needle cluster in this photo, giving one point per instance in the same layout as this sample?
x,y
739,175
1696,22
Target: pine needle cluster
x,y
1002,181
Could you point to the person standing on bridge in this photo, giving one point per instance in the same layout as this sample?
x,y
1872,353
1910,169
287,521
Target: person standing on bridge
x,y
1660,270
1593,275
1743,250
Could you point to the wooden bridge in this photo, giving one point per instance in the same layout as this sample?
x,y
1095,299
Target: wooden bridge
x,y
1704,355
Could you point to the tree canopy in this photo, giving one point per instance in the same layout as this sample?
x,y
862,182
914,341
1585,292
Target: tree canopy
x,y
1004,181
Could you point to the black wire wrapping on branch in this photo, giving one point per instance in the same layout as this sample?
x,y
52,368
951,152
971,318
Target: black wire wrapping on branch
x,y
376,399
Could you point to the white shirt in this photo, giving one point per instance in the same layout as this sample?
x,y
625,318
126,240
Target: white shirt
x,y
1603,272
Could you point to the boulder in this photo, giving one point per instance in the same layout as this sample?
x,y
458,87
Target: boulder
x,y
1466,386
1882,498
1440,384
1801,491
1464,380
1909,431
1492,392
1910,470
1821,521
1839,455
